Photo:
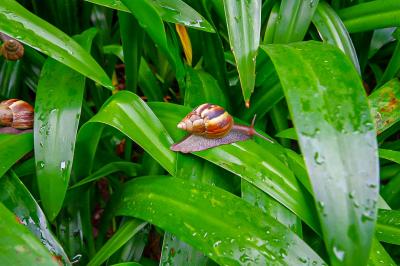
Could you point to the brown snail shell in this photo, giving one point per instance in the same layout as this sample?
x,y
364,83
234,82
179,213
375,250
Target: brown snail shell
x,y
12,50
210,126
16,113
208,120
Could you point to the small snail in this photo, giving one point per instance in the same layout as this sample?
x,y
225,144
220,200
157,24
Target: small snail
x,y
210,125
12,50
16,113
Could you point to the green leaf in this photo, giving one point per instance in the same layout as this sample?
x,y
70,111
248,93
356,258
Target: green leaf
x,y
19,23
18,246
388,227
379,256
177,11
13,147
223,226
330,112
201,88
11,77
17,198
393,156
260,165
174,11
243,20
385,105
132,41
149,18
123,234
293,20
57,110
371,15
270,206
130,169
177,252
392,68
128,113
332,31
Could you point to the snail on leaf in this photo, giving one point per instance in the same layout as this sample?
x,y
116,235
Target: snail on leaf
x,y
16,116
209,126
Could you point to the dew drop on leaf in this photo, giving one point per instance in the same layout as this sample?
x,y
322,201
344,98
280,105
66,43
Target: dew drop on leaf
x,y
339,254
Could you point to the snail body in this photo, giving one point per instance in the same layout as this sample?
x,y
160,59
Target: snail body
x,y
210,125
16,113
12,50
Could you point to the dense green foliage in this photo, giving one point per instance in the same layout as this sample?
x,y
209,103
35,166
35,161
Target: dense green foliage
x,y
96,182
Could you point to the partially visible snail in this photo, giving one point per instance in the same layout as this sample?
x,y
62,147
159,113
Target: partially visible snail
x,y
12,50
210,125
16,113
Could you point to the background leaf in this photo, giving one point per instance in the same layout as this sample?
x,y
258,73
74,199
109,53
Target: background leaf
x,y
341,133
19,23
18,245
243,19
226,236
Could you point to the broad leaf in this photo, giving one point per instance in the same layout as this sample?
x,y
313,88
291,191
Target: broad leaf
x,y
18,245
243,19
16,197
57,112
223,226
13,147
19,23
330,112
174,11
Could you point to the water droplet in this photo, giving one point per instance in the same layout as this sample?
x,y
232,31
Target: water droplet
x,y
339,254
318,158
63,165
40,164
302,260
367,216
217,243
76,258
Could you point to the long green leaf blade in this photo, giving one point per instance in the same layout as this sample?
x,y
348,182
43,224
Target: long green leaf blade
x,y
174,11
332,119
388,227
332,31
371,15
124,233
149,18
16,197
243,19
13,147
19,23
18,246
226,228
128,113
57,111
293,20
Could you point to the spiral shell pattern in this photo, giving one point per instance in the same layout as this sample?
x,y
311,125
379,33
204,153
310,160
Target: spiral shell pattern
x,y
16,113
12,50
209,120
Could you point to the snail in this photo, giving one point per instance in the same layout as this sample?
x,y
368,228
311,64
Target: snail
x,y
11,49
16,114
210,125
